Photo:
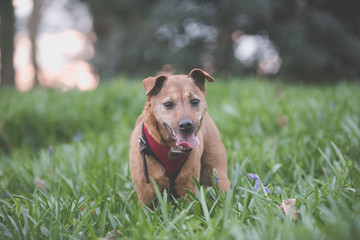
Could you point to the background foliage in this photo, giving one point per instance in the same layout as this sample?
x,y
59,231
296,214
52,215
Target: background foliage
x,y
316,40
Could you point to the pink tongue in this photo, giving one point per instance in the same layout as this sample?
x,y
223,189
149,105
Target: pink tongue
x,y
189,141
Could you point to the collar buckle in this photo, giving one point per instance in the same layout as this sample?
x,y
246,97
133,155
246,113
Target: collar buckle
x,y
175,153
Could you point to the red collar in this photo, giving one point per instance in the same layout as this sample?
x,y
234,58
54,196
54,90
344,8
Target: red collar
x,y
170,160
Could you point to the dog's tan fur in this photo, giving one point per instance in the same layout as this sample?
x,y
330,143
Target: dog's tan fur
x,y
210,154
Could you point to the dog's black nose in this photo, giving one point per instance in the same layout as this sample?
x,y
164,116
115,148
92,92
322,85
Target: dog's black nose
x,y
186,125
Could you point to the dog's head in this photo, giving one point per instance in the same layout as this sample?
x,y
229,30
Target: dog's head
x,y
177,104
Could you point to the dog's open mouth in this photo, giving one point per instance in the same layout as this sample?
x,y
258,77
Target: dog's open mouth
x,y
185,142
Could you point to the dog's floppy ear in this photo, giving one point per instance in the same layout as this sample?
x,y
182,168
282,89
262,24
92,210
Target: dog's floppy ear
x,y
199,77
153,85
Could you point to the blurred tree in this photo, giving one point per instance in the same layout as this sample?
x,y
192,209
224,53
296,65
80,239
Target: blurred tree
x,y
33,27
317,40
123,35
7,31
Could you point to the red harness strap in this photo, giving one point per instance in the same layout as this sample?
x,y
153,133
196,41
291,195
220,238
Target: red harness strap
x,y
172,162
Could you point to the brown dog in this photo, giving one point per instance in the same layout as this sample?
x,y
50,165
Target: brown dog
x,y
174,138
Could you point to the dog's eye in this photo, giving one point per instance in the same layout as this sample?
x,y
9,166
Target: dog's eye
x,y
168,104
194,102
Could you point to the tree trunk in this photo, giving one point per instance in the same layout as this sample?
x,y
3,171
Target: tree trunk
x,y
224,59
33,27
7,32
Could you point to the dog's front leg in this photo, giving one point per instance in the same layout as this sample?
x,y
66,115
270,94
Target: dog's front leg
x,y
190,169
145,191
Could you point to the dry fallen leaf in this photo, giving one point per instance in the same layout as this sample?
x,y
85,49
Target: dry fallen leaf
x,y
288,207
40,183
282,120
82,209
279,93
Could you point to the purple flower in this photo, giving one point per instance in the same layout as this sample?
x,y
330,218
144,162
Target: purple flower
x,y
258,183
253,176
6,195
50,151
215,176
267,190
78,136
256,186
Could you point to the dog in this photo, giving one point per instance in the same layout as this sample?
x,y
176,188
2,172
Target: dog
x,y
175,139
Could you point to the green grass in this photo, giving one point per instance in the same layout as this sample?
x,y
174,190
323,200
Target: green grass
x,y
303,141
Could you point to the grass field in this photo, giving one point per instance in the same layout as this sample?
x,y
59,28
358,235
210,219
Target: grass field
x,y
64,170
